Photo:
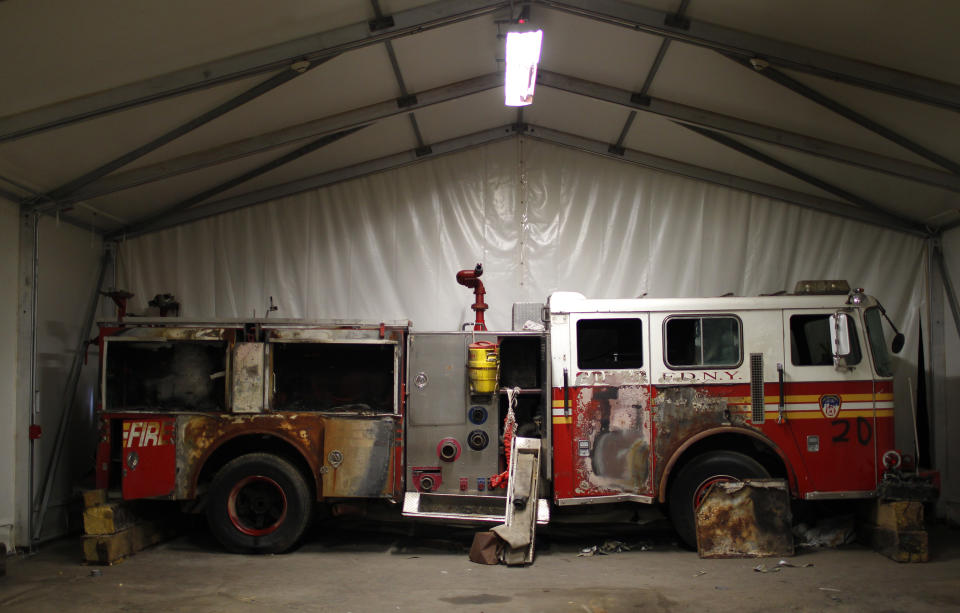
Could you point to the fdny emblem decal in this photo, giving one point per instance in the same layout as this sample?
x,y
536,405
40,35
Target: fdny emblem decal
x,y
830,405
152,433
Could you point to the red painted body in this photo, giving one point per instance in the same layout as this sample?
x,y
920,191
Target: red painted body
x,y
848,459
153,473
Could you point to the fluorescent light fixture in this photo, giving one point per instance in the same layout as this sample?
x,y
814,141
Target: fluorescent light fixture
x,y
523,54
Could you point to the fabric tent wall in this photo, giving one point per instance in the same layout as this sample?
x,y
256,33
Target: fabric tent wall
x,y
540,218
950,426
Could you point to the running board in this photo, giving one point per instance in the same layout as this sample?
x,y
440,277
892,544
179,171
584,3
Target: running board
x,y
465,508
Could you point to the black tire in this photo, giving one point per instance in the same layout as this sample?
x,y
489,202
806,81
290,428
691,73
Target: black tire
x,y
693,479
259,503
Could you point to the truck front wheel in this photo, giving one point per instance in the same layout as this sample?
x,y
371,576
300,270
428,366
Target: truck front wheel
x,y
693,481
259,503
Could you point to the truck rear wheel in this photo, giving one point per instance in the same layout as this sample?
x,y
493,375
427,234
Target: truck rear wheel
x,y
695,479
259,503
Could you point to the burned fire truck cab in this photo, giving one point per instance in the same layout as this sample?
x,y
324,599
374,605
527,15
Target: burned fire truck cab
x,y
258,423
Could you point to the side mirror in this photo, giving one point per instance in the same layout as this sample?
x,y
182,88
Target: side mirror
x,y
898,341
839,338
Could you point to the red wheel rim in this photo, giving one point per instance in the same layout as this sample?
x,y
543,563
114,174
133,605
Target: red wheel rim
x,y
705,487
257,505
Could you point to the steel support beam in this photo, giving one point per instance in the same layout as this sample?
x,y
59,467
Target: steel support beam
x,y
846,112
18,198
780,53
389,162
395,65
241,179
763,158
264,142
948,289
69,393
25,448
734,125
268,59
651,74
825,205
51,199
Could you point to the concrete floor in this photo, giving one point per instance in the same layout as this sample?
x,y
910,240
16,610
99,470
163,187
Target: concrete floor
x,y
347,566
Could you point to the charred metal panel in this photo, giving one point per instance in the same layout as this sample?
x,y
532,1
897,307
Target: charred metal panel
x,y
358,376
198,436
358,455
331,334
164,375
246,385
612,433
681,412
181,333
749,519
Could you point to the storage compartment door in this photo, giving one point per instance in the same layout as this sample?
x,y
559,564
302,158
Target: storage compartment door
x,y
148,457
610,405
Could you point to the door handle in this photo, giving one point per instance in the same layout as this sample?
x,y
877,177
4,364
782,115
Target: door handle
x,y
781,405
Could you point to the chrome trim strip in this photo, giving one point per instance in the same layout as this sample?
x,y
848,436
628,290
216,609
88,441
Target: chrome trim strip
x,y
569,502
840,495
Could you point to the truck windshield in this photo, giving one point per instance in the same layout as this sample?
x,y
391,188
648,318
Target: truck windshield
x,y
878,346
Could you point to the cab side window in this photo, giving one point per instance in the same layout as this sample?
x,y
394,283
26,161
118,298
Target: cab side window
x,y
701,342
810,341
604,344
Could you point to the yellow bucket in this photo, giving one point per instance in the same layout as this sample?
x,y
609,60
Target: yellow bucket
x,y
484,367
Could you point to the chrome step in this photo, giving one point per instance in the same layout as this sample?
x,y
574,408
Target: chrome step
x,y
466,508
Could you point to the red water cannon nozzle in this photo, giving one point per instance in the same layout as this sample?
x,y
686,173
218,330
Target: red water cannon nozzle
x,y
471,279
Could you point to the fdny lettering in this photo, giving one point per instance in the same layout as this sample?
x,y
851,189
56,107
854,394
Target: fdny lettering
x,y
707,375
147,433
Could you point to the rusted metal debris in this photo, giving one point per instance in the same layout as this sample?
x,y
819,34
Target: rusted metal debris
x,y
749,518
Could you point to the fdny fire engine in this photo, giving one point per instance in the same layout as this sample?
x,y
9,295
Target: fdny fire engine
x,y
259,423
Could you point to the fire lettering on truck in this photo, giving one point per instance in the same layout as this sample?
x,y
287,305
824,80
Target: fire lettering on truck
x,y
147,433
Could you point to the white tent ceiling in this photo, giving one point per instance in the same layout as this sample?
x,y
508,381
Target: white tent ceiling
x,y
874,137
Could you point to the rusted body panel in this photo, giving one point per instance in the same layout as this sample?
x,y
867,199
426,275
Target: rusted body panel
x,y
177,333
347,454
247,385
745,519
199,436
680,413
612,430
358,457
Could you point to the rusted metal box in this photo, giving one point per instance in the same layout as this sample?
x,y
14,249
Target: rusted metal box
x,y
745,519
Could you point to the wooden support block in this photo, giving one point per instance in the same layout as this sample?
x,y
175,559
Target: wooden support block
x,y
107,518
112,548
898,545
896,515
92,498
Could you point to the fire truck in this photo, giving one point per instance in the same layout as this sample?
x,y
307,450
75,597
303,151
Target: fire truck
x,y
259,423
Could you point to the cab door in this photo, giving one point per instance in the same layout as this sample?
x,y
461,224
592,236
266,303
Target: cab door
x,y
829,405
608,397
